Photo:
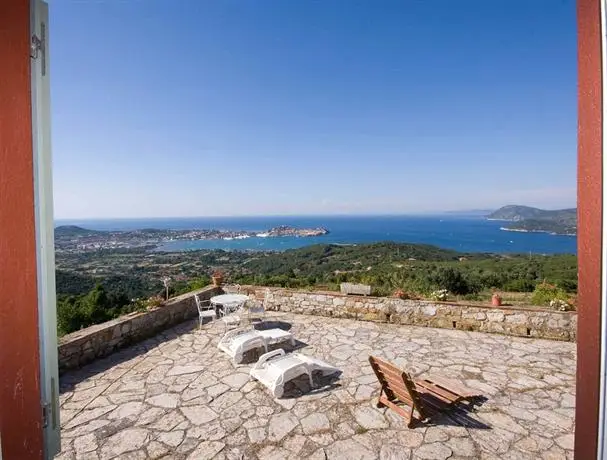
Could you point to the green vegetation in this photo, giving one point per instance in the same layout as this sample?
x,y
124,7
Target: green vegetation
x,y
75,231
517,212
525,218
412,268
545,293
76,312
130,284
183,287
535,225
96,286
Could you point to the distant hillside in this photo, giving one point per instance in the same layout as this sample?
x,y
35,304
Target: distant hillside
x,y
73,231
319,259
528,219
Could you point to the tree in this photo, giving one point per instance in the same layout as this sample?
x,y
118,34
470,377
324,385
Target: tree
x,y
453,280
76,312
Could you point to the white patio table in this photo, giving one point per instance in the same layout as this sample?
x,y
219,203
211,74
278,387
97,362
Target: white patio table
x,y
229,302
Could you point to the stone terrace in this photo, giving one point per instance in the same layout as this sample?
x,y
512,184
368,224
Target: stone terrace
x,y
176,396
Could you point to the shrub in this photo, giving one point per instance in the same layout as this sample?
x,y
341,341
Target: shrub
x,y
567,285
76,312
453,281
182,287
545,293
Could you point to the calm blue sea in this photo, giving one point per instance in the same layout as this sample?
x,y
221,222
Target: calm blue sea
x,y
462,233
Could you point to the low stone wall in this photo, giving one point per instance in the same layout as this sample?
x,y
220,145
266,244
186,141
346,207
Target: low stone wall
x,y
86,345
524,322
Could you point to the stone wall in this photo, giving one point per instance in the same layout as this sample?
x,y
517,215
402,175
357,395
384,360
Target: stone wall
x,y
525,322
86,345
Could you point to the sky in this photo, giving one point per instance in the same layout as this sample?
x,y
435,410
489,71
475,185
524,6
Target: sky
x,y
184,108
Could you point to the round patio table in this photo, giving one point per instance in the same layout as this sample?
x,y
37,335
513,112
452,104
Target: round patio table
x,y
229,301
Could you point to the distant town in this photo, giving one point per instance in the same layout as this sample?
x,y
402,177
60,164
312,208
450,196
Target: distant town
x,y
70,238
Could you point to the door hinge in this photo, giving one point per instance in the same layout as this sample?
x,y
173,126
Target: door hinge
x,y
46,413
50,409
38,47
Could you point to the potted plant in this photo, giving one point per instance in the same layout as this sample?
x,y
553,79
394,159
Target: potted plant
x,y
399,294
217,277
496,300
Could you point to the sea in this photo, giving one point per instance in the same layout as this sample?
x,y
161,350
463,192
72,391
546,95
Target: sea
x,y
464,233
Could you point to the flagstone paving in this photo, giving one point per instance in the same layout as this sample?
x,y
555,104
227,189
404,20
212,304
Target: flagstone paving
x,y
176,396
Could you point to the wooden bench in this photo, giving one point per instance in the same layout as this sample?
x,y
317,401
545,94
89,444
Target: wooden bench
x,y
417,399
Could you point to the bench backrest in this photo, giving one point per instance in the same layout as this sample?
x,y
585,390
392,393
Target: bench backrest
x,y
397,384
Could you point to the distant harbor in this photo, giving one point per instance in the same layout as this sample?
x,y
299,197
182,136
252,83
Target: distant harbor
x,y
72,238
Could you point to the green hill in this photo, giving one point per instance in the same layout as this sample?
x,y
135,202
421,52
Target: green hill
x,y
320,259
67,231
526,218
416,268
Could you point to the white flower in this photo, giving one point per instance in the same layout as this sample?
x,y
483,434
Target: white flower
x,y
560,305
441,295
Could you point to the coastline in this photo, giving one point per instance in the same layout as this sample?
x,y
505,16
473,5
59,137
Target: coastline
x,y
463,234
523,230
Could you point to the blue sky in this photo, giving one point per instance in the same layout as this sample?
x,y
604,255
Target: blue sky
x,y
241,107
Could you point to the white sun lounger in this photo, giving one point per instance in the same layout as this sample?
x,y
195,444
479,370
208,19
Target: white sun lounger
x,y
238,341
276,368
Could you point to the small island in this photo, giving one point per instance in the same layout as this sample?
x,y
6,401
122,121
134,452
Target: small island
x,y
284,230
71,238
528,219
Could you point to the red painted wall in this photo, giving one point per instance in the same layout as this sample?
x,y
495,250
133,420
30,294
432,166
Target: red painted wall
x,y
589,226
20,412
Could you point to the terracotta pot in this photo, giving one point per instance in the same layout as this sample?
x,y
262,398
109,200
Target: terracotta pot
x,y
496,300
217,280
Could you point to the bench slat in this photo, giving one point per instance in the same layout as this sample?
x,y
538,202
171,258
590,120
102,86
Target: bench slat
x,y
454,387
403,411
425,386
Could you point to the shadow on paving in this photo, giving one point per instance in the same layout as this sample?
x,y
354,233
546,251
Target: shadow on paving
x,y
252,356
300,386
458,415
273,324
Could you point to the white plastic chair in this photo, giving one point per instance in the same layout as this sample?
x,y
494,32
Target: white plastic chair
x,y
231,315
231,288
255,310
205,310
276,368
